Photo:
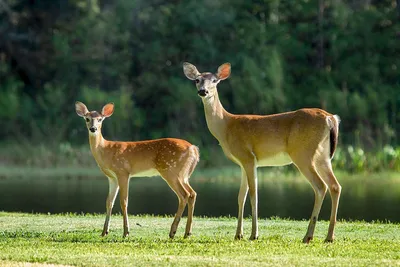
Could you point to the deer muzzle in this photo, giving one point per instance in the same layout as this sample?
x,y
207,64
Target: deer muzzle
x,y
202,92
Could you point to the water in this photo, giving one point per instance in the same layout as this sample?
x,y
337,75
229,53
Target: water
x,y
363,198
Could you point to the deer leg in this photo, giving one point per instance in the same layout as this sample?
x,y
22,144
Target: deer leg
x,y
334,190
123,195
112,193
183,197
244,188
320,190
251,173
191,204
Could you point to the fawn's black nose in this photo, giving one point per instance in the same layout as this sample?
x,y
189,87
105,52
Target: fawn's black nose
x,y
202,92
93,129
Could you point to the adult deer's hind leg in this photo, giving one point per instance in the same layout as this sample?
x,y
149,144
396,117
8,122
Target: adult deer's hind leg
x,y
325,169
309,171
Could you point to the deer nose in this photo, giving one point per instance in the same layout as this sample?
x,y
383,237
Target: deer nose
x,y
202,92
93,129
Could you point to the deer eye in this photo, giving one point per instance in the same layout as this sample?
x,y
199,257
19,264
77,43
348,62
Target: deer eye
x,y
197,80
99,120
87,120
214,80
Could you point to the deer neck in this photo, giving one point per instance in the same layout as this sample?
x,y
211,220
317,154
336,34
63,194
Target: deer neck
x,y
97,143
216,116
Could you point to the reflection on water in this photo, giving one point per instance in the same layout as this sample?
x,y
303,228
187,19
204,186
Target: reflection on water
x,y
367,199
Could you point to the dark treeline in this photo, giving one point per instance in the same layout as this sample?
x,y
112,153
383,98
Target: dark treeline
x,y
343,56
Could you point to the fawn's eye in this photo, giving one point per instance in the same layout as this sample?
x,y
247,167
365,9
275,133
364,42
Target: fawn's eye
x,y
197,80
214,80
87,120
99,120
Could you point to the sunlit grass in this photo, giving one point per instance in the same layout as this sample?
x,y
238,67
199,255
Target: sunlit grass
x,y
75,240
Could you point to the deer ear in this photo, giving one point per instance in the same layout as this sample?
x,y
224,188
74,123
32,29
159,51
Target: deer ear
x,y
81,109
108,110
224,71
190,71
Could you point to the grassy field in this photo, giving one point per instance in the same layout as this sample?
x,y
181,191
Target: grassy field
x,y
75,240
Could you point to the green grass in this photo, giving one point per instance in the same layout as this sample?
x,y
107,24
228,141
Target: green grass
x,y
75,240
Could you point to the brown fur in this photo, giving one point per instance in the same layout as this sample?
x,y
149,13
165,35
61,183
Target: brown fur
x,y
173,159
306,137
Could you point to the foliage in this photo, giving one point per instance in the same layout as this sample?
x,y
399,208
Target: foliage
x,y
337,55
355,159
347,158
72,239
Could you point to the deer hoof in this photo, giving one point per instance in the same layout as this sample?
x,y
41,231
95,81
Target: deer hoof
x,y
104,233
239,237
307,239
172,234
253,237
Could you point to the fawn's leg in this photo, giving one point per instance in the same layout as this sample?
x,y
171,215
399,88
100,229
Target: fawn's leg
x,y
191,204
183,195
123,195
112,193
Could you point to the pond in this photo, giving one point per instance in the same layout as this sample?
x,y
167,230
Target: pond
x,y
364,197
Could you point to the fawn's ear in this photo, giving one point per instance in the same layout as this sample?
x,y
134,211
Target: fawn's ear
x,y
108,110
224,71
81,109
190,71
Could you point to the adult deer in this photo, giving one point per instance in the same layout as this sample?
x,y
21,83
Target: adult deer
x,y
172,159
306,137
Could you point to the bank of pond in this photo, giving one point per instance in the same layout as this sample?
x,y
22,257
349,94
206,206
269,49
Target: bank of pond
x,y
368,197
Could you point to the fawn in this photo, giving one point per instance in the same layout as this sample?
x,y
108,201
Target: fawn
x,y
172,159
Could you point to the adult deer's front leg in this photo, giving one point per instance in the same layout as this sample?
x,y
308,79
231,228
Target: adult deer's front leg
x,y
244,188
123,195
112,193
251,172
